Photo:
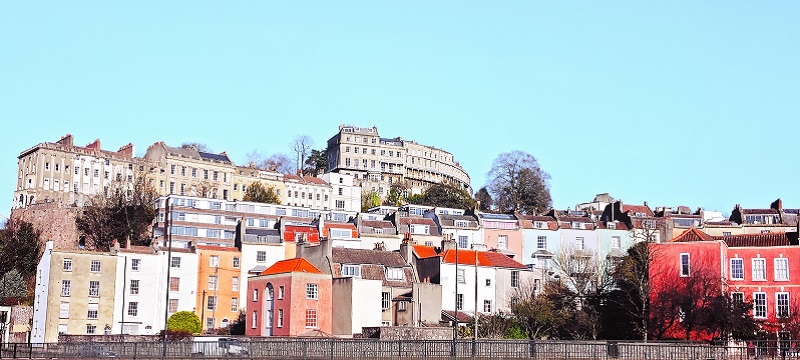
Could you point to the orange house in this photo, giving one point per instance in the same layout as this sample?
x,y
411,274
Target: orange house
x,y
218,283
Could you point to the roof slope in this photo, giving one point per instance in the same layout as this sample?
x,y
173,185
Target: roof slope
x,y
290,266
692,235
364,256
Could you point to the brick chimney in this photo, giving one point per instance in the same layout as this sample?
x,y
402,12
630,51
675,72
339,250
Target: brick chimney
x,y
448,243
66,140
126,150
407,248
94,145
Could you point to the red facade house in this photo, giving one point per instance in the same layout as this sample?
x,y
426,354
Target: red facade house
x,y
289,298
761,268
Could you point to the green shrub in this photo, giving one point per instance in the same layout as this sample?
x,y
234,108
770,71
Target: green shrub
x,y
184,321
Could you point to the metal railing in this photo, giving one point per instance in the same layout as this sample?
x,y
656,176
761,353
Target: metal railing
x,y
336,349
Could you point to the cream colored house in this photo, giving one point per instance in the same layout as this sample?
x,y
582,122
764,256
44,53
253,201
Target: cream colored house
x,y
188,171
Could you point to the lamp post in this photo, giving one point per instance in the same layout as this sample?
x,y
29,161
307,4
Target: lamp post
x,y
168,239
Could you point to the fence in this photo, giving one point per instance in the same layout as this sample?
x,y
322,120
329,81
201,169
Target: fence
x,y
352,349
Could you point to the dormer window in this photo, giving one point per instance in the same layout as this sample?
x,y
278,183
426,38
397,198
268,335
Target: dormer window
x,y
351,270
576,225
612,226
538,224
395,274
461,223
419,229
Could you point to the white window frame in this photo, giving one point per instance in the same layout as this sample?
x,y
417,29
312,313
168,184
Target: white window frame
x,y
685,267
782,303
385,300
312,291
741,269
261,256
351,270
395,274
502,241
63,311
781,269
94,266
759,269
461,276
92,311
760,305
541,242
67,265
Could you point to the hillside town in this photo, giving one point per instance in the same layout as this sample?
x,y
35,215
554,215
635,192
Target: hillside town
x,y
319,260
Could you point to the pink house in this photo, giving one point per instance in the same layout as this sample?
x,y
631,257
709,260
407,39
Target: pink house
x,y
502,232
290,298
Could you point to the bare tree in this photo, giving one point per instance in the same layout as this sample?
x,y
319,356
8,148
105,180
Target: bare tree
x,y
582,279
517,183
538,313
204,188
276,162
199,146
301,146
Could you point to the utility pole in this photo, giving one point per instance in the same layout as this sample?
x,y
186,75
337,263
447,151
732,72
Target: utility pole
x,y
168,238
216,298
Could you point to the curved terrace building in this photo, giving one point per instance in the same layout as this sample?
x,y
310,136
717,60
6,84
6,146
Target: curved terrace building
x,y
377,162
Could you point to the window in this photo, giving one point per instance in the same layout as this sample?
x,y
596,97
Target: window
x,y
541,242
420,229
615,242
95,266
781,269
280,292
726,233
515,278
462,241
133,308
579,243
94,288
176,262
63,311
311,318
67,265
211,323
213,261
62,329
236,262
65,287
685,269
134,287
401,305
254,324
460,276
487,306
737,297
92,311
759,269
235,283
135,263
234,304
460,302
280,317
211,302
255,294
782,304
461,223
261,256
91,329
737,269
312,291
351,270
502,241
174,284
385,300
341,233
212,282
173,305
759,305
395,274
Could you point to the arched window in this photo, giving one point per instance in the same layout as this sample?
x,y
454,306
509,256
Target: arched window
x,y
225,323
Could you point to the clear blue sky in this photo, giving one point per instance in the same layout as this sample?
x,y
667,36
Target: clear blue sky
x,y
675,103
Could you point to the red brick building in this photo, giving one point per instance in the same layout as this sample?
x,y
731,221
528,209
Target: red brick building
x,y
289,298
761,268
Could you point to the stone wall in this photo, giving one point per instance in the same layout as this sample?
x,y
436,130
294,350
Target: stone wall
x,y
407,333
56,222
21,319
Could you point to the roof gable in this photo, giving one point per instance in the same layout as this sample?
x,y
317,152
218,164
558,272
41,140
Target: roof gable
x,y
692,235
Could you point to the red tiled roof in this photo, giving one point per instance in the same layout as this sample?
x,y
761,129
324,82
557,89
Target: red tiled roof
x,y
290,266
423,251
692,235
314,180
466,257
619,226
339,226
637,209
462,316
292,177
499,260
217,248
755,240
421,221
759,211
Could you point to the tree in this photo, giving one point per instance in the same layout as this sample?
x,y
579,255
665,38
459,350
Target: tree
x,y
199,146
730,319
21,248
398,192
517,183
276,162
537,314
301,145
204,188
12,285
184,321
239,325
581,283
629,300
369,200
484,198
447,195
317,162
257,192
125,210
